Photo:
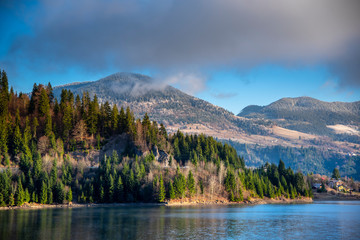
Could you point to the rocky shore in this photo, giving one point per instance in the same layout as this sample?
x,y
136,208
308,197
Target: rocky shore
x,y
178,202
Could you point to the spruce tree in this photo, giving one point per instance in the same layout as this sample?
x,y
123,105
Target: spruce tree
x,y
27,196
11,199
17,141
171,190
43,193
161,197
19,194
44,105
336,174
115,119
69,195
191,184
119,190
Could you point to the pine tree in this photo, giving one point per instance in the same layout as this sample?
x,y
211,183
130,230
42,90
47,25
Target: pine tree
x,y
191,184
115,119
59,193
180,185
35,124
48,124
67,121
111,192
69,196
44,105
3,136
11,199
336,174
4,94
271,190
161,197
17,141
201,187
53,174
50,195
19,194
2,200
27,196
171,190
43,193
33,197
119,190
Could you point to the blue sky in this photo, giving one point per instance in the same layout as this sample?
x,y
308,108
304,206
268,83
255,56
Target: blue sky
x,y
231,54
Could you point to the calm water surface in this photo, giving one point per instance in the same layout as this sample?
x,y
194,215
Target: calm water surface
x,y
320,220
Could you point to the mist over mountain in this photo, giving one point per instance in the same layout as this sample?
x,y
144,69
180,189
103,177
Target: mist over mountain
x,y
163,103
306,133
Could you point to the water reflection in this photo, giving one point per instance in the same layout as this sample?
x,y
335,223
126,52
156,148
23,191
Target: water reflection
x,y
308,221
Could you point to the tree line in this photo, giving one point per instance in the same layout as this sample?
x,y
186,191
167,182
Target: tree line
x,y
38,133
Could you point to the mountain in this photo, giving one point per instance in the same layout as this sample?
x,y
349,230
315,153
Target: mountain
x,y
306,133
307,114
163,103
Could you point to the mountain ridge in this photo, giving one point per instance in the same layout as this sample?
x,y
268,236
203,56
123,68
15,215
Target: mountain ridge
x,y
289,129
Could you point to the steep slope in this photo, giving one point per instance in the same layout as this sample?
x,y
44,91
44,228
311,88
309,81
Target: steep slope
x,y
163,103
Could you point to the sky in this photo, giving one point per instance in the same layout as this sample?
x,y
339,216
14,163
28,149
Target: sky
x,y
232,53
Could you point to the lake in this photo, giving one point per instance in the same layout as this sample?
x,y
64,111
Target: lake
x,y
319,220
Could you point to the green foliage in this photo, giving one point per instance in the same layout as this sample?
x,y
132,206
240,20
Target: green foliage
x,y
171,191
69,195
180,185
336,174
51,127
191,185
43,193
19,194
201,187
162,192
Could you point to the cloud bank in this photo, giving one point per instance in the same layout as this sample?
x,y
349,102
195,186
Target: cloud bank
x,y
183,37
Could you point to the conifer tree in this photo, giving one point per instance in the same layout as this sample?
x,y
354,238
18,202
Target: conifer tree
x,y
50,195
48,124
191,184
44,105
119,190
17,141
19,194
35,124
43,193
171,190
2,200
11,199
114,119
69,195
162,192
336,174
180,185
3,137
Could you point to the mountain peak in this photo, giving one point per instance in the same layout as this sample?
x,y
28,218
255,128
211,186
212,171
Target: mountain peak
x,y
127,77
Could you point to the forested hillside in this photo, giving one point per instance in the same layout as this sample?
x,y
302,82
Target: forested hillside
x,y
308,159
163,103
51,153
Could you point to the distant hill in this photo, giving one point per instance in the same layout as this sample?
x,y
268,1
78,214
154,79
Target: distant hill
x,y
306,114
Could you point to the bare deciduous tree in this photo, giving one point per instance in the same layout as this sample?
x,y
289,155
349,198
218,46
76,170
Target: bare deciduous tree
x,y
79,131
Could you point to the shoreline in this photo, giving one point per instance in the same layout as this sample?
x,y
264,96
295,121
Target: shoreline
x,y
332,196
255,201
36,206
